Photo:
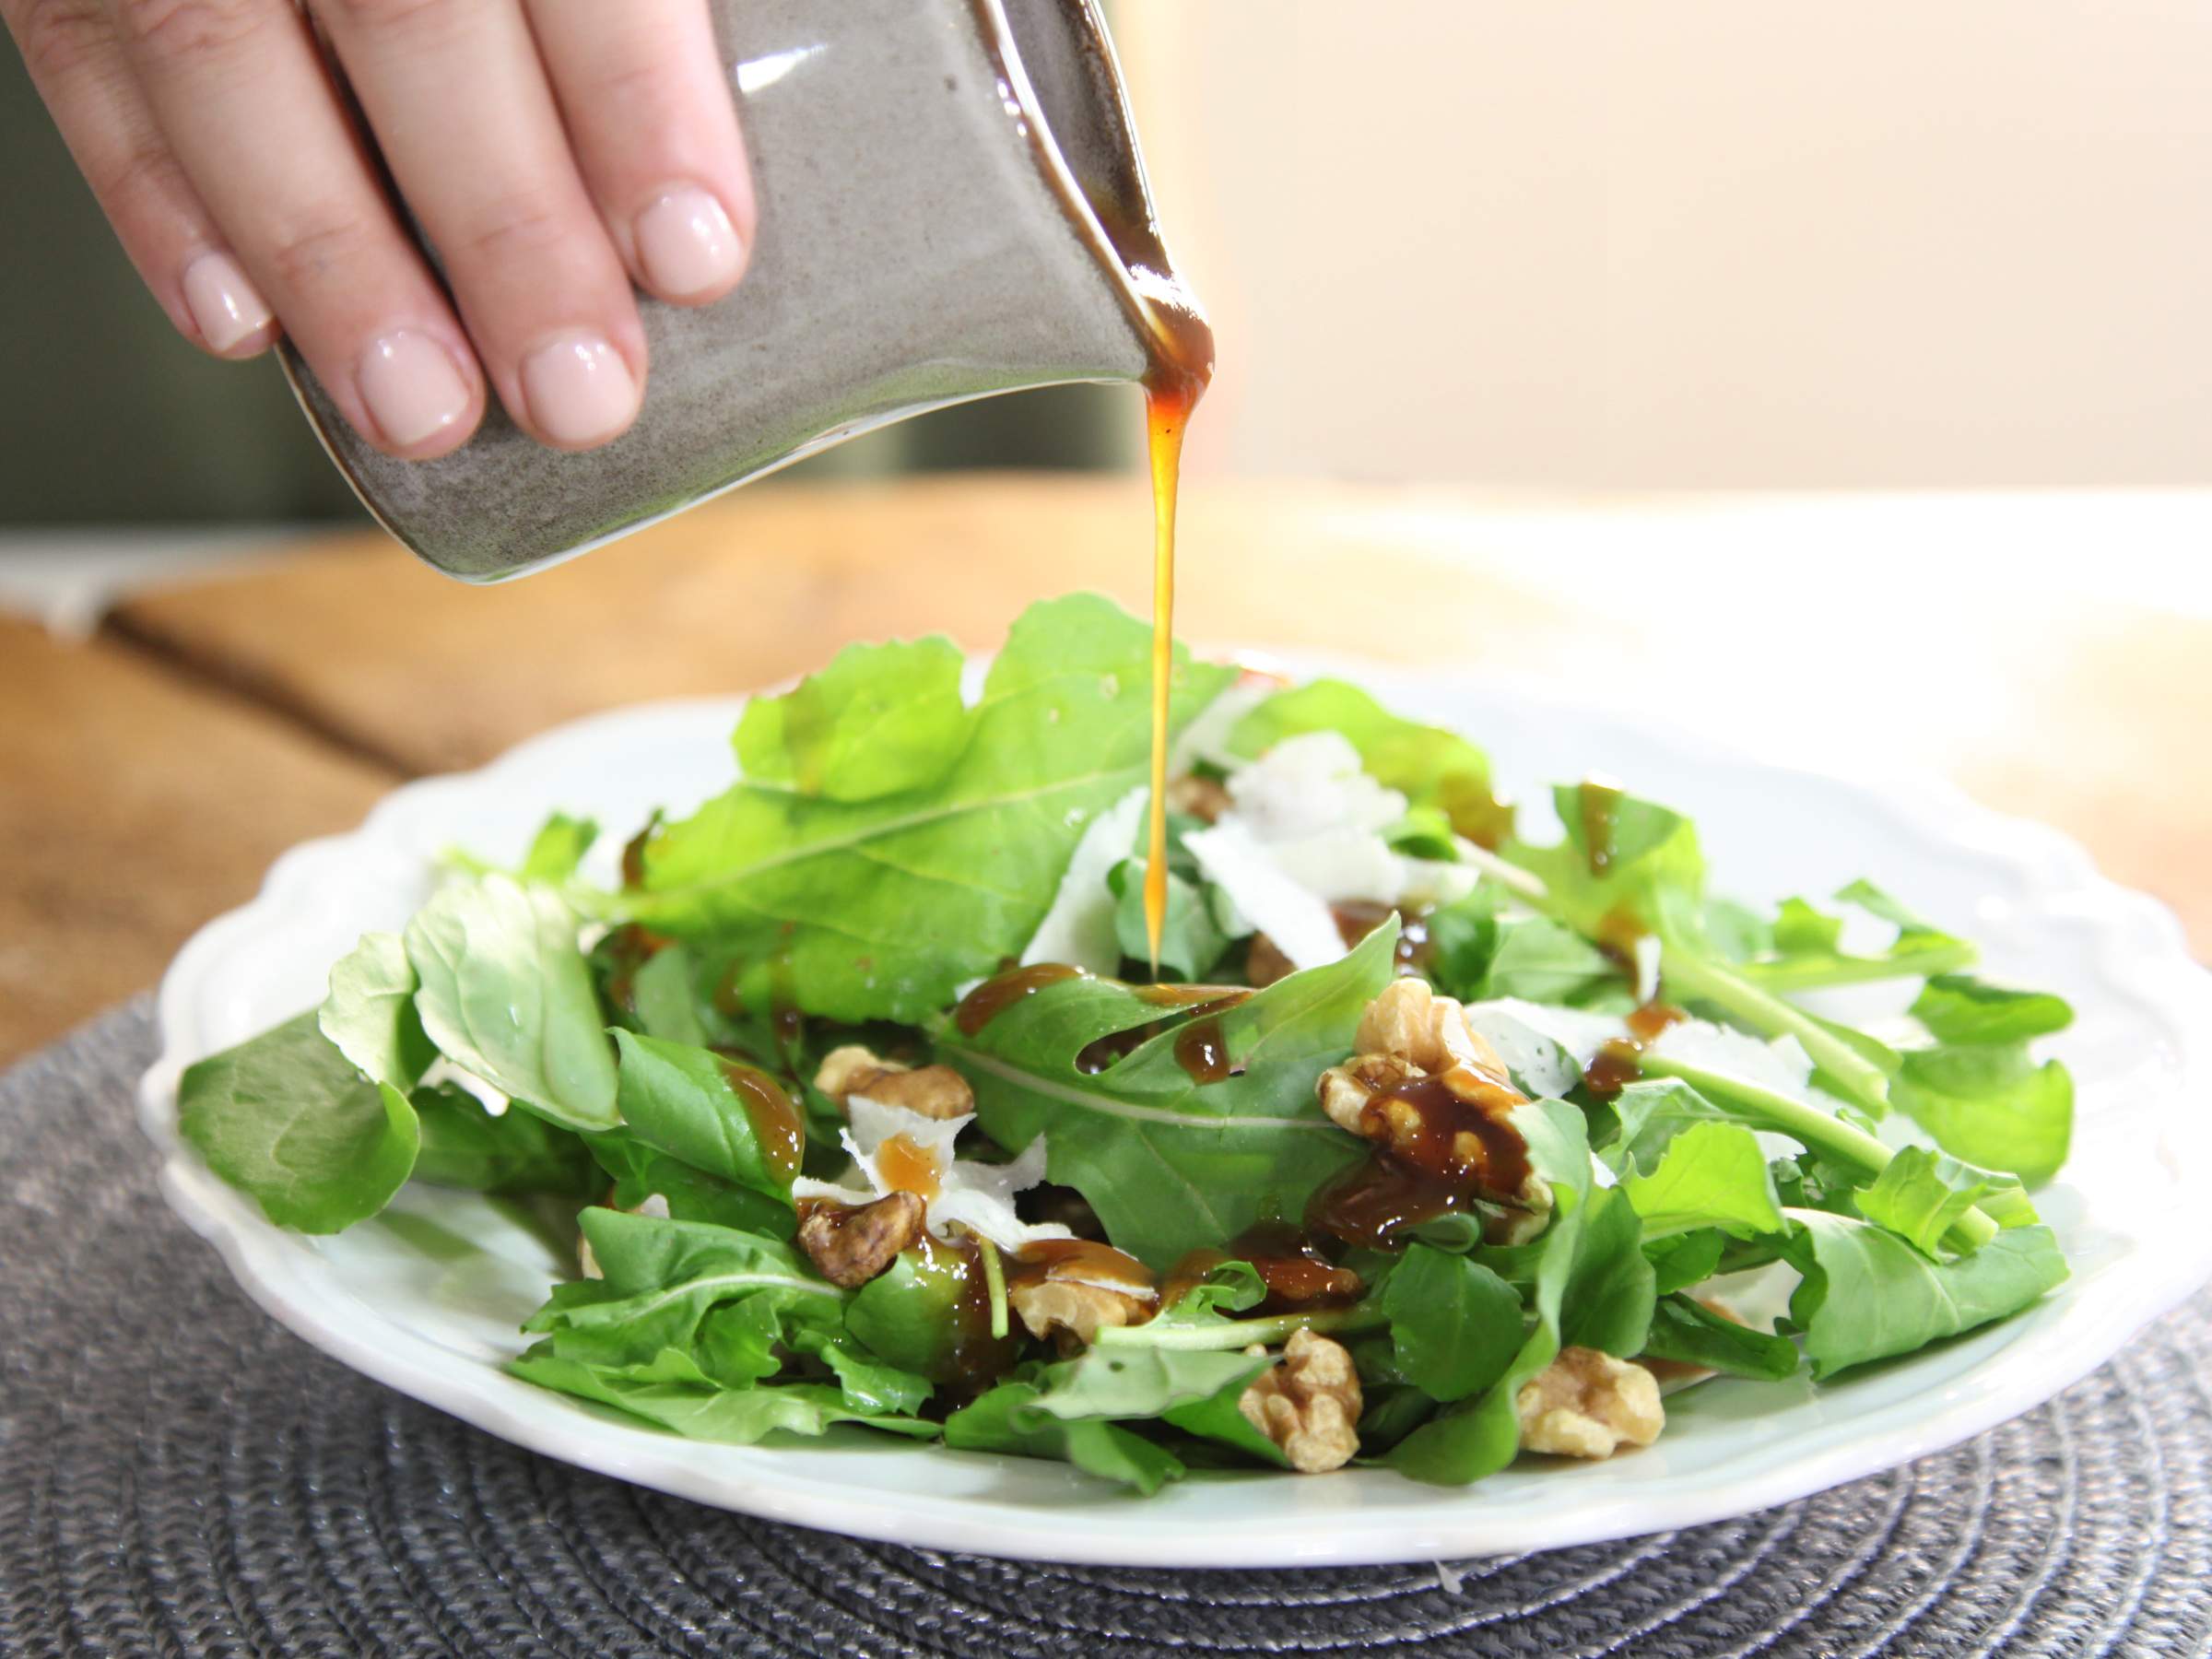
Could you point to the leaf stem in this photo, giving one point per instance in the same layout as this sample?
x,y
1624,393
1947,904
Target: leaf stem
x,y
1816,1129
1242,1333
1690,976
995,1282
1819,974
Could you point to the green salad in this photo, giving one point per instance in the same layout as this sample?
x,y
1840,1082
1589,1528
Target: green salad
x,y
1421,1144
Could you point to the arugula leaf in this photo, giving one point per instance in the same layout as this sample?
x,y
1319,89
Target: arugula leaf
x,y
1592,1285
1686,1331
505,994
1922,1197
1430,766
369,1013
1171,1165
661,997
640,1171
728,1119
517,1152
1190,943
558,848
866,1382
880,908
1869,1294
1477,955
878,720
1455,1326
669,1286
1992,1105
1124,1382
1959,1008
911,1314
1711,1175
287,1119
737,1416
1685,1259
1003,1420
1806,950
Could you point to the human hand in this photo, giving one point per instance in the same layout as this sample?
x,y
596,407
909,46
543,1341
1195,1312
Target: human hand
x,y
552,151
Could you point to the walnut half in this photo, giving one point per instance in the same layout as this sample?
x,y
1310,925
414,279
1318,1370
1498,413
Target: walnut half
x,y
1410,1021
935,1091
850,1245
1308,1403
1587,1403
1078,1311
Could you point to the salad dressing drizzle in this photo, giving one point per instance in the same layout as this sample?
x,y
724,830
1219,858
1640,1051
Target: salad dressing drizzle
x,y
775,1121
1620,1062
1001,991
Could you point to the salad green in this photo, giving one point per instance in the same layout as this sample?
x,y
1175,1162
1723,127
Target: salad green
x,y
1435,1140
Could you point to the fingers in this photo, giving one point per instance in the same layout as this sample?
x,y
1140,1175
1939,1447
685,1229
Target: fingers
x,y
648,106
76,60
248,108
459,101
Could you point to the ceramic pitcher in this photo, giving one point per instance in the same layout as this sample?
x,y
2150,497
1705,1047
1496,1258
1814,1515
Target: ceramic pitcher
x,y
951,204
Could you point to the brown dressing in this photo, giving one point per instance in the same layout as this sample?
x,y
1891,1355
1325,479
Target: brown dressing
x,y
996,994
631,946
775,1121
905,1166
1087,1259
1203,1052
1294,1266
1620,1062
1459,1140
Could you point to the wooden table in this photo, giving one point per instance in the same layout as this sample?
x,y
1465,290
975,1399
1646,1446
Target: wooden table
x,y
147,778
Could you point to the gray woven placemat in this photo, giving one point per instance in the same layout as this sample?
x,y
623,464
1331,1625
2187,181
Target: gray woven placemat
x,y
178,1476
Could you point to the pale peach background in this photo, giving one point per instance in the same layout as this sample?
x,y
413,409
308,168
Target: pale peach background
x,y
1692,243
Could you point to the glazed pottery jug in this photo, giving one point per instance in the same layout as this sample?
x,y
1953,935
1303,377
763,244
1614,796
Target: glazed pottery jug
x,y
951,204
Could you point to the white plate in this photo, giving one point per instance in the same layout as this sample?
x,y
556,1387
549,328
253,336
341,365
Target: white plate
x,y
427,1298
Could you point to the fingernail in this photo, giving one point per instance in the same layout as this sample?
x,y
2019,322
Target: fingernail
x,y
223,301
579,390
687,243
412,387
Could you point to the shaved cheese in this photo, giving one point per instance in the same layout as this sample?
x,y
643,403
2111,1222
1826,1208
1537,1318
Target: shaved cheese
x,y
1078,928
1298,920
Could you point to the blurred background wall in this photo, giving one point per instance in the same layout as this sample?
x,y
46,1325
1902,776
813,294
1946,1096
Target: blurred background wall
x,y
1589,244
1615,244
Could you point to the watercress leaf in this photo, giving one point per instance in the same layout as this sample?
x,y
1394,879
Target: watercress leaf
x,y
1992,1105
1712,1174
1219,1419
1170,1164
878,720
1424,833
1226,1287
737,1416
1476,954
370,1012
662,997
515,1153
716,1114
1001,1420
1430,765
505,994
1685,1259
558,848
288,1120
1455,1326
1921,1197
1190,943
1686,1331
1960,1009
1867,1294
879,909
640,1172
